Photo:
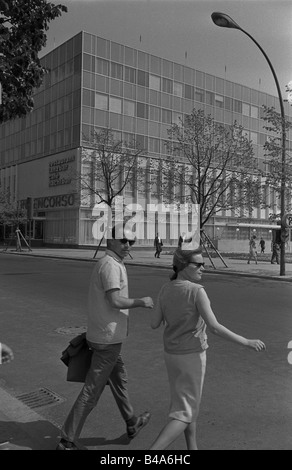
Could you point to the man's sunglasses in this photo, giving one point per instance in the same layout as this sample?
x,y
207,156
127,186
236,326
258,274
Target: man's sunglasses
x,y
199,265
125,240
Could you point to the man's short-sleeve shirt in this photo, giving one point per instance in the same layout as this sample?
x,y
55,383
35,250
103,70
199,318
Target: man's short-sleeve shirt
x,y
107,324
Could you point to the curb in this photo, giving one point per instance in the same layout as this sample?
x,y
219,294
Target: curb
x,y
21,428
142,263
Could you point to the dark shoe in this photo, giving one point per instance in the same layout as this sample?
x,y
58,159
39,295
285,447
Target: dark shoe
x,y
142,421
66,445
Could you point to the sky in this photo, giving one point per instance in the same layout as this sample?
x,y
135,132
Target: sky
x,y
182,31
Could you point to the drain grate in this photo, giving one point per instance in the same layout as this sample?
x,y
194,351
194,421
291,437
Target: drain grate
x,y
71,330
40,398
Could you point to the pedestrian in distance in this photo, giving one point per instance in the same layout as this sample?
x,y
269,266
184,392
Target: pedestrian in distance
x,y
262,245
183,307
252,250
6,354
158,246
276,247
107,328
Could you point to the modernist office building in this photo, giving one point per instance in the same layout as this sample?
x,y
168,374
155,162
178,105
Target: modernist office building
x,y
95,83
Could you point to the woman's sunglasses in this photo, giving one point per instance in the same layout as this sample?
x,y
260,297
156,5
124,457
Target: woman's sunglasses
x,y
199,265
125,240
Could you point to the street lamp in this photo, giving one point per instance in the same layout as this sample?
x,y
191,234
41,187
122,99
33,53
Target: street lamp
x,y
223,20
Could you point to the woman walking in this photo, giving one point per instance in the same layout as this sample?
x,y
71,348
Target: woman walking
x,y
252,250
185,310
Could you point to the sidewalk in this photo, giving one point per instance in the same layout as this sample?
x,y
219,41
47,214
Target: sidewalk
x,y
21,428
146,258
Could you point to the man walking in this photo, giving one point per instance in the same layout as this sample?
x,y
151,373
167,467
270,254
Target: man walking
x,y
275,253
158,246
107,328
262,245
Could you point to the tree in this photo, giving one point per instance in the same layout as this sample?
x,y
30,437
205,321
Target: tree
x,y
210,165
23,26
109,166
273,172
10,212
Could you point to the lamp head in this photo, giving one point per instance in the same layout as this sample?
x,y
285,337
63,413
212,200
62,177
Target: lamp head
x,y
223,20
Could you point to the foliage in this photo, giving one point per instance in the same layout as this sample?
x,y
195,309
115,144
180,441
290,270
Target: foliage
x,y
275,172
10,213
23,26
209,164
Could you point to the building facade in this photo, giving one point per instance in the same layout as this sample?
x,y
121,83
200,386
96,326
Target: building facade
x,y
93,84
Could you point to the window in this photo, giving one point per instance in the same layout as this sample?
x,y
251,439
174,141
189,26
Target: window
x,y
129,108
219,101
166,68
254,112
102,47
228,103
237,106
88,63
130,56
115,105
178,89
209,97
141,142
154,113
117,52
210,82
219,85
155,64
177,117
189,92
167,85
129,91
130,75
245,109
166,116
154,82
116,71
142,110
101,101
143,60
178,72
143,78
199,95
254,137
88,98
154,145
129,139
101,66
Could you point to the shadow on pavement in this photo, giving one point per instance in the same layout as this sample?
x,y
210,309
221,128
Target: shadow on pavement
x,y
34,435
122,440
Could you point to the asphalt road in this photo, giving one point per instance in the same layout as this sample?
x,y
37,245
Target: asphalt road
x,y
247,399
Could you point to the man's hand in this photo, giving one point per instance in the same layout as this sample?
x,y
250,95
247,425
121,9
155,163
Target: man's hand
x,y
6,354
147,302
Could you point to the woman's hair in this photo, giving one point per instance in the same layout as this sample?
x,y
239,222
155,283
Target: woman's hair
x,y
181,259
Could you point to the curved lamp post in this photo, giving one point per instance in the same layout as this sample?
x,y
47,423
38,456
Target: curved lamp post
x,y
223,20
